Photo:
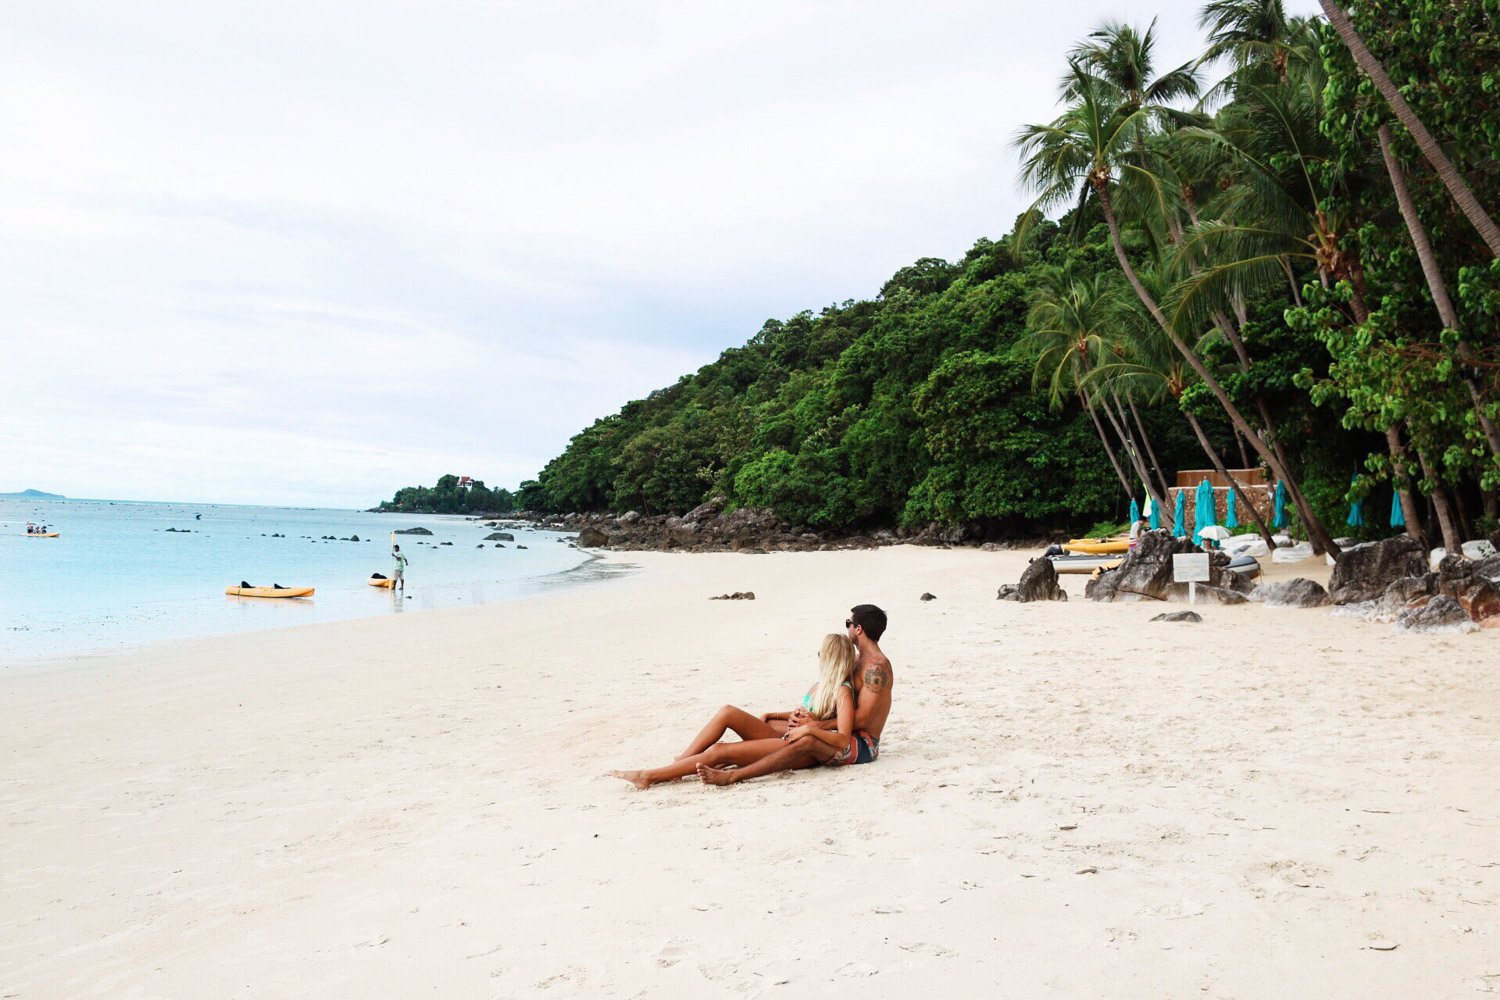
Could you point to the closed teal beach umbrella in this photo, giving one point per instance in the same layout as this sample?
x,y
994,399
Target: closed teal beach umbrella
x,y
1356,518
1179,512
1231,517
1135,511
1278,515
1203,510
1398,516
1153,511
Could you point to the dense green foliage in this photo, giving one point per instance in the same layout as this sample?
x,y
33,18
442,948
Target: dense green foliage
x,y
450,497
1232,281
906,409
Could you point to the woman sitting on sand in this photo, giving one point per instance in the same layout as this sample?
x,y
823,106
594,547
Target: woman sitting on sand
x,y
831,697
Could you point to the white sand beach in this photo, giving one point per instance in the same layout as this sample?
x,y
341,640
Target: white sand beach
x,y
1071,801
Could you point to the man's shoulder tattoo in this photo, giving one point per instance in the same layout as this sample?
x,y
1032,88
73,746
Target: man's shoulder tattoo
x,y
878,677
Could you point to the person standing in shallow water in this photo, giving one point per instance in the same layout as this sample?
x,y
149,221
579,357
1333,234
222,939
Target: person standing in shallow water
x,y
399,573
873,680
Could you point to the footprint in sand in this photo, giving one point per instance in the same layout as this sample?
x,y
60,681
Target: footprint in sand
x,y
670,955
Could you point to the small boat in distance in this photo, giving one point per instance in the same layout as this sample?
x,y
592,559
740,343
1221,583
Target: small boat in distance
x,y
269,591
40,534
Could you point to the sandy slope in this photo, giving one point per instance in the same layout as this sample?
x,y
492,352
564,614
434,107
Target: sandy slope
x,y
416,805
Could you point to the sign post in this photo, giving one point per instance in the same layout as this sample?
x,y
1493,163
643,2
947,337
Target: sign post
x,y
1190,568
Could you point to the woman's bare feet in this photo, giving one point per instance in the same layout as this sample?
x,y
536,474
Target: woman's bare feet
x,y
636,778
715,775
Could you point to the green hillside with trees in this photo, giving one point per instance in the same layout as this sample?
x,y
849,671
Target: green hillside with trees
x,y
1273,256
451,495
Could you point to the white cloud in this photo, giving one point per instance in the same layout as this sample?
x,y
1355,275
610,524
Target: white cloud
x,y
316,252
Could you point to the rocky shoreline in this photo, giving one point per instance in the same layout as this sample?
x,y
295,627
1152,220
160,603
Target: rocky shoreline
x,y
710,528
1383,581
1386,581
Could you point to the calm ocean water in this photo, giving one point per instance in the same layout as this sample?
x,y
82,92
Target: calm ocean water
x,y
116,576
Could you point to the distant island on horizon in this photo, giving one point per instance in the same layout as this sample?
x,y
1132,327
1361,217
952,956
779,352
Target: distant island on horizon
x,y
32,495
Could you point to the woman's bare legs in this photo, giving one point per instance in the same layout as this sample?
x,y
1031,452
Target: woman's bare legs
x,y
717,755
745,725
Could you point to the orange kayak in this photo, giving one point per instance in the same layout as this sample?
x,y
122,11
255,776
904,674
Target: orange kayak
x,y
269,591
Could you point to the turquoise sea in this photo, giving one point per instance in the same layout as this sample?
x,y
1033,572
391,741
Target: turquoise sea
x,y
117,576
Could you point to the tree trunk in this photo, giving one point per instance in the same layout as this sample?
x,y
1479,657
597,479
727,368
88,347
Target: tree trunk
x,y
1161,478
1104,440
1130,449
1441,507
1291,279
1239,439
1451,178
1436,285
1218,464
1402,481
1465,522
1318,534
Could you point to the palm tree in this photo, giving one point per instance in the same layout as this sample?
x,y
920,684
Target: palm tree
x,y
1078,157
1148,365
1256,33
1064,328
1454,181
1122,59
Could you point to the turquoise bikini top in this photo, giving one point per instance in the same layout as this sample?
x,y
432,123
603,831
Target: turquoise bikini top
x,y
807,698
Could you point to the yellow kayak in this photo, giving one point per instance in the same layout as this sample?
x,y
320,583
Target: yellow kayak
x,y
40,534
1098,547
382,583
269,591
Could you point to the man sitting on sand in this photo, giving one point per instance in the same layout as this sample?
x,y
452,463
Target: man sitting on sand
x,y
873,680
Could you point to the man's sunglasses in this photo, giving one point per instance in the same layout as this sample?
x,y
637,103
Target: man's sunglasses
x,y
848,623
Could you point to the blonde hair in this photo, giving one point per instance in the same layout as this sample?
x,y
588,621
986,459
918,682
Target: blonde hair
x,y
836,663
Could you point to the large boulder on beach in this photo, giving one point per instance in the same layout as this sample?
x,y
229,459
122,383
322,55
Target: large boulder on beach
x,y
1296,593
411,531
1440,615
592,538
1365,571
1146,571
499,536
1409,591
1489,568
1220,595
1039,583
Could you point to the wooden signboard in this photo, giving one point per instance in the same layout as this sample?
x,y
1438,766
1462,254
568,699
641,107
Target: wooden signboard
x,y
1190,568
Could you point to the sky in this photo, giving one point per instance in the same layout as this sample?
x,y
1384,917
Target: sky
x,y
308,253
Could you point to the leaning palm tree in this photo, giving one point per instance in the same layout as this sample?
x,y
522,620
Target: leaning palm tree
x,y
1454,181
1064,329
1437,286
1081,157
1146,364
